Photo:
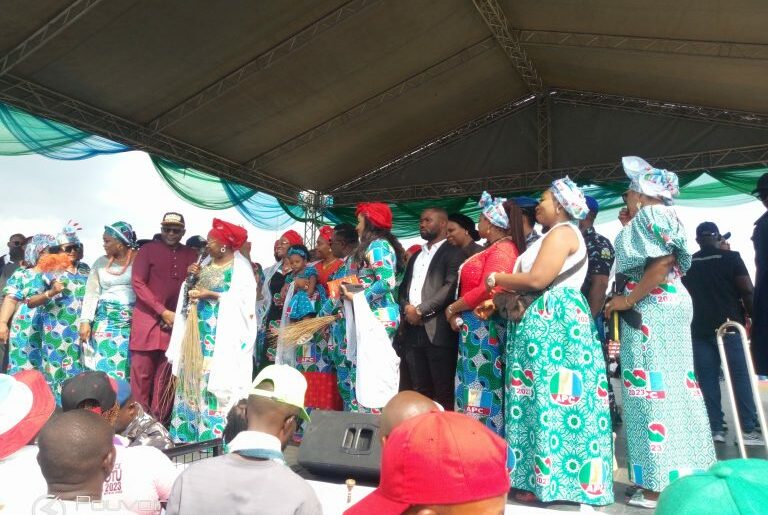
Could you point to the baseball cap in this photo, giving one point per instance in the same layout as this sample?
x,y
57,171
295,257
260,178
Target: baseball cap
x,y
289,386
26,404
762,184
122,389
440,457
707,229
733,487
592,204
95,386
172,218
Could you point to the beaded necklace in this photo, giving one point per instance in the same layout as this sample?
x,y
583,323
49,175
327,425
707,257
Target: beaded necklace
x,y
125,267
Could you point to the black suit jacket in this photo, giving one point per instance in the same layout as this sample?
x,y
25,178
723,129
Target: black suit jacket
x,y
438,292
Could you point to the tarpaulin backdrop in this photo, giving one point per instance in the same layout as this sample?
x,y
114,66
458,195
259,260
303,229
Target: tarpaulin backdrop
x,y
22,133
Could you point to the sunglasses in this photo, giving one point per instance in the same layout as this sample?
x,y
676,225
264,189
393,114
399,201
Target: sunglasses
x,y
64,248
17,243
172,230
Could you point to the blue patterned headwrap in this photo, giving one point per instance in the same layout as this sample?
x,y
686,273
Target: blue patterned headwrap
x,y
68,234
570,197
654,182
36,245
298,250
122,231
493,210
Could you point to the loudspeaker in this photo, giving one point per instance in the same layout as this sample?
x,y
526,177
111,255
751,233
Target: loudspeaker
x,y
342,444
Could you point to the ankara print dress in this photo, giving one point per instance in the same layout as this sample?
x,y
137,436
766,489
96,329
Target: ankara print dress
x,y
667,428
195,420
108,307
558,424
60,317
25,337
337,341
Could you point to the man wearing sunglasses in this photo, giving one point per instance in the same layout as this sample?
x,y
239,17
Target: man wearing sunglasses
x,y
11,261
760,320
158,272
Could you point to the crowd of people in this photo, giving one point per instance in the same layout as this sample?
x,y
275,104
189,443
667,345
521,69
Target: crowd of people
x,y
169,343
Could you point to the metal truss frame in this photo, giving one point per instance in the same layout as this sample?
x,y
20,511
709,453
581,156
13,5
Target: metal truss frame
x,y
431,147
41,36
44,102
375,101
661,108
544,38
544,131
541,179
260,63
496,20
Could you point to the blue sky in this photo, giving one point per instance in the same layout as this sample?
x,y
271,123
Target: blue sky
x,y
41,195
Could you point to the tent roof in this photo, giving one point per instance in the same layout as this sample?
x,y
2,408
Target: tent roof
x,y
314,94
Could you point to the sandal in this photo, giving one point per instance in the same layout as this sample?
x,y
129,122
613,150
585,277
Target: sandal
x,y
525,497
638,499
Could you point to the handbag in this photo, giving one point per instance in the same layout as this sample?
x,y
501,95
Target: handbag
x,y
512,305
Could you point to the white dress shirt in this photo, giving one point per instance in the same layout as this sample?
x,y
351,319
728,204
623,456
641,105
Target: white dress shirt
x,y
420,268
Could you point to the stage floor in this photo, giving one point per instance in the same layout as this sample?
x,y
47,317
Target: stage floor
x,y
333,494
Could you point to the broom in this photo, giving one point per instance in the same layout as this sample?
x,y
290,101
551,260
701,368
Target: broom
x,y
191,360
299,333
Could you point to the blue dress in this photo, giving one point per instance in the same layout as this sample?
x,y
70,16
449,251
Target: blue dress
x,y
302,305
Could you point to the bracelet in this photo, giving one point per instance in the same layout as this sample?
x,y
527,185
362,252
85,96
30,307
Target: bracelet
x,y
450,309
626,301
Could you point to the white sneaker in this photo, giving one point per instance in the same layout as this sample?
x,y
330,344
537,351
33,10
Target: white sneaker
x,y
718,437
753,438
639,500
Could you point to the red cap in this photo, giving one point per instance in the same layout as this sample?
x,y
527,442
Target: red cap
x,y
326,232
292,237
437,458
228,234
377,213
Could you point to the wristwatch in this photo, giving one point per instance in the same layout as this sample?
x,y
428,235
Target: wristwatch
x,y
418,312
490,281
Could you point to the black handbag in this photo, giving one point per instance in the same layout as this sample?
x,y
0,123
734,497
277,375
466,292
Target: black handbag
x,y
512,305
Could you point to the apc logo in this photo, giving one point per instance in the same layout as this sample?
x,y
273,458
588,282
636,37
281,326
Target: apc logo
x,y
566,387
592,477
657,433
522,381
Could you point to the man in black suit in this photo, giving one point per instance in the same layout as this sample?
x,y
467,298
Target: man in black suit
x,y
430,346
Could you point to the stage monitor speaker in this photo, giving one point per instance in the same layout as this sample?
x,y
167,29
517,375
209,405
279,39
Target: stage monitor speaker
x,y
341,444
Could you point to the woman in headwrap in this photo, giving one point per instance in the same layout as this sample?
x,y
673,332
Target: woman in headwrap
x,y
270,306
558,427
212,374
667,427
105,320
380,259
328,263
60,310
480,366
462,234
24,336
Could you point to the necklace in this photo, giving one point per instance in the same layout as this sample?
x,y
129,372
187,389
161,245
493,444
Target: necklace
x,y
125,266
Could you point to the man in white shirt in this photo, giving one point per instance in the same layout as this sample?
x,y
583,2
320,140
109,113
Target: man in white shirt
x,y
429,285
254,478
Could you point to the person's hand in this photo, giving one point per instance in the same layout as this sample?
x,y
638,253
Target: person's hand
x,y
485,309
168,317
4,333
85,332
411,316
454,321
300,284
200,293
624,216
56,287
193,269
617,303
346,293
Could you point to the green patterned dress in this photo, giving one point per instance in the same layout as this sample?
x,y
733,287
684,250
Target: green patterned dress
x,y
667,428
25,338
195,420
558,425
62,352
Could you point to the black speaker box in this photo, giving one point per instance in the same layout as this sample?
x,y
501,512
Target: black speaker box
x,y
342,445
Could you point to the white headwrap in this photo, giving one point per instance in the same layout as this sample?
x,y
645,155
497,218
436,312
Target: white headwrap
x,y
654,182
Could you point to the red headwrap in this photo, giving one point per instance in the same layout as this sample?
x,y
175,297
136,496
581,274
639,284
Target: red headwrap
x,y
326,232
292,237
228,234
377,213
